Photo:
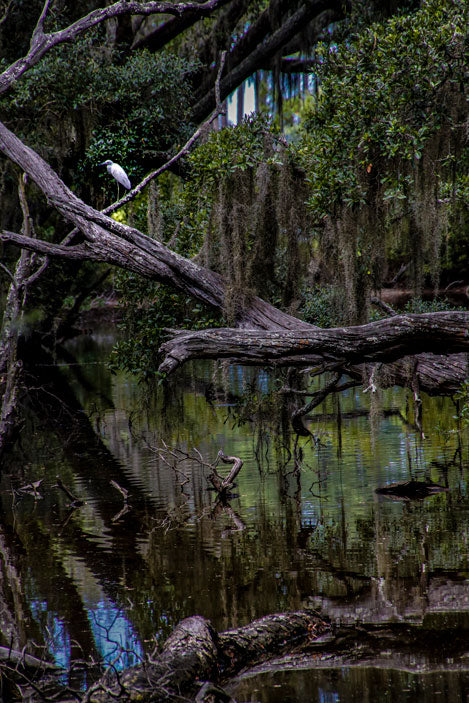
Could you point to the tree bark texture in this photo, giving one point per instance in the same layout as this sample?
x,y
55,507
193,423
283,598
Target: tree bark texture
x,y
194,653
384,340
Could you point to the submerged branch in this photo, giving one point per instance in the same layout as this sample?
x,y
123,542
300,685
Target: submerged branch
x,y
220,483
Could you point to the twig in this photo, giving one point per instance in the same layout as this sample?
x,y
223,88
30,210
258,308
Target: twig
x,y
5,14
124,492
121,513
75,502
372,380
384,306
38,32
9,273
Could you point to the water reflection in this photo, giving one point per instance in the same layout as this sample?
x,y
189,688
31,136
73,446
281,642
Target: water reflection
x,y
99,581
360,685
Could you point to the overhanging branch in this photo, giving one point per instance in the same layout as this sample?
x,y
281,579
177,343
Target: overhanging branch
x,y
41,42
269,336
385,340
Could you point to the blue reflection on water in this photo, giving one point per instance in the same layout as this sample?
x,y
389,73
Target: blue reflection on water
x,y
327,696
114,636
58,639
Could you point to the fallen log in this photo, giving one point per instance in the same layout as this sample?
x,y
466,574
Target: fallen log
x,y
385,341
195,654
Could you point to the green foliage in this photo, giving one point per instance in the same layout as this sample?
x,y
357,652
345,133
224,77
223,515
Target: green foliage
x,y
418,305
321,306
144,106
149,308
234,148
382,96
84,97
384,148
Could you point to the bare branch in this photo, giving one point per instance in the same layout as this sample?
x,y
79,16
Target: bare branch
x,y
377,302
9,273
182,152
38,32
78,252
123,491
124,246
384,340
4,17
41,42
170,29
75,502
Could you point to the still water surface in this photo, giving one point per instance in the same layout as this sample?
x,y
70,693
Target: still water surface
x,y
304,527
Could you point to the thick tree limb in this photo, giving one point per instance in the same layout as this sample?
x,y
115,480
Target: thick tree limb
x,y
157,38
384,340
261,44
115,243
195,653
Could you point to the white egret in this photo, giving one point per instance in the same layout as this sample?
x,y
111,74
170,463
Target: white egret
x,y
118,173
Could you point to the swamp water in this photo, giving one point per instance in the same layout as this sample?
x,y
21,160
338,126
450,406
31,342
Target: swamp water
x,y
108,578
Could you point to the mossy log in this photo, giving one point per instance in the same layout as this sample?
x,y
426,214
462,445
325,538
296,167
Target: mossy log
x,y
195,654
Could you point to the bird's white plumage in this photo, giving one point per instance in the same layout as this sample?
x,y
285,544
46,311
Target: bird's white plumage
x,y
118,173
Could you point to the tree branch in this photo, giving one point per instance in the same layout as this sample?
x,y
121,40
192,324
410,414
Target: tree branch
x,y
260,44
41,42
384,340
118,244
169,30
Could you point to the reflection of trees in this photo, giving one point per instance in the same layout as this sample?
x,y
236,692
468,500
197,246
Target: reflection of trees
x,y
170,556
16,625
315,680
